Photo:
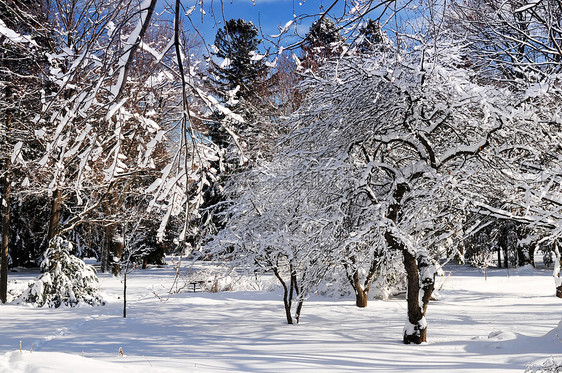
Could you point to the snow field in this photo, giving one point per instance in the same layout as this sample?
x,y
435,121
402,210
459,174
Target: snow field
x,y
498,325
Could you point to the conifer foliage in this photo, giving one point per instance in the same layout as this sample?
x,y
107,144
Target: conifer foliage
x,y
236,45
66,279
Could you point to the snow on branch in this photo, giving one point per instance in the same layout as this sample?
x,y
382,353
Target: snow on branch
x,y
15,37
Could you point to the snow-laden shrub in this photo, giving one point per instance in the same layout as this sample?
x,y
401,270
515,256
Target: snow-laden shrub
x,y
214,279
548,366
66,279
387,282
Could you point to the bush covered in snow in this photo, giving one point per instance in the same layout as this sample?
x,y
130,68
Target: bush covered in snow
x,y
66,279
217,278
385,284
549,366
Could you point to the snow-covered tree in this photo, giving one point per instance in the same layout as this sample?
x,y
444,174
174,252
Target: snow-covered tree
x,y
24,41
322,42
66,280
514,40
385,158
264,234
121,115
480,254
532,163
239,69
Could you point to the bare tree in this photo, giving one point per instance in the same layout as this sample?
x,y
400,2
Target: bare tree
x,y
406,140
510,40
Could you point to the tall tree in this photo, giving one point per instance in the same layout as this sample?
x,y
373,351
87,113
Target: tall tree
x,y
240,80
372,38
322,42
239,67
509,40
24,40
408,142
108,103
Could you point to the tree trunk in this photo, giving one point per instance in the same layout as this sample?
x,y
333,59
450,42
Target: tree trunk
x,y
106,248
556,272
427,279
54,221
299,310
116,254
5,202
362,290
499,257
297,292
415,330
125,294
521,257
361,295
286,297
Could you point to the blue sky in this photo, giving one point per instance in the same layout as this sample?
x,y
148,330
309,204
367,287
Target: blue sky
x,y
268,15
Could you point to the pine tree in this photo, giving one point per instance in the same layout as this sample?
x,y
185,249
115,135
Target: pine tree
x,y
237,47
238,74
322,42
372,37
66,280
239,79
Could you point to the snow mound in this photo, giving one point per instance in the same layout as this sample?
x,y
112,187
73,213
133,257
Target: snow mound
x,y
500,335
55,362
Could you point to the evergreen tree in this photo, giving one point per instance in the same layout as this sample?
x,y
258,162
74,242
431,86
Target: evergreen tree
x,y
237,79
240,80
66,279
241,65
322,42
323,33
372,37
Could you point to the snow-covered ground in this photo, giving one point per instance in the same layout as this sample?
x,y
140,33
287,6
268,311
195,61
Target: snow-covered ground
x,y
498,325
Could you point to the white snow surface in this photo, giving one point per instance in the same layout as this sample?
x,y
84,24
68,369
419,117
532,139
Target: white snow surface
x,y
498,325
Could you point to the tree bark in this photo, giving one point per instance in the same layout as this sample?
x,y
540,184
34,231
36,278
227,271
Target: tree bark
x,y
5,202
556,273
296,290
361,295
108,237
416,328
361,290
117,253
125,294
299,310
427,271
54,221
286,296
